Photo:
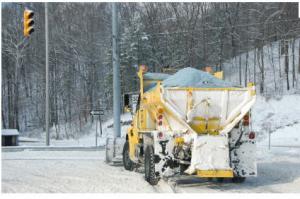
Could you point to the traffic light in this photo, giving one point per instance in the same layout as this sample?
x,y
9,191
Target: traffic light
x,y
28,22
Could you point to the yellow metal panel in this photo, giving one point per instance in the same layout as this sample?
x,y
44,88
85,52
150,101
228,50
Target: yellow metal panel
x,y
198,124
213,124
179,140
133,138
215,173
190,101
219,74
203,125
251,86
133,141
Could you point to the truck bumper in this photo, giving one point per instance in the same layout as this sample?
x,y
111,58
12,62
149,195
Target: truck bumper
x,y
215,173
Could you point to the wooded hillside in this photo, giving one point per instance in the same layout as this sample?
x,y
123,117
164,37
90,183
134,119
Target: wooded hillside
x,y
160,35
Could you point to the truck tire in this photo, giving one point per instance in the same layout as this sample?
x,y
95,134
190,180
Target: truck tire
x,y
220,180
150,175
128,164
238,179
182,168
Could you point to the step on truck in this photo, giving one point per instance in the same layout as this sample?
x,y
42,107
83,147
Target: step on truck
x,y
191,123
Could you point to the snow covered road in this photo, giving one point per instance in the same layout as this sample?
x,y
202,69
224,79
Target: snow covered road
x,y
278,171
86,171
66,171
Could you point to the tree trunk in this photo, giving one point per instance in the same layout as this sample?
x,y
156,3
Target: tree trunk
x,y
279,58
240,68
254,66
221,51
286,61
294,70
299,57
16,95
273,68
262,71
10,102
246,68
3,119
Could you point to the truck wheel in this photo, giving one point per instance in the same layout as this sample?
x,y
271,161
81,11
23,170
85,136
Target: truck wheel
x,y
238,179
220,180
128,164
150,175
182,168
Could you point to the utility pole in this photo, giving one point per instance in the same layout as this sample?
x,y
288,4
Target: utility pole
x,y
116,72
112,147
47,75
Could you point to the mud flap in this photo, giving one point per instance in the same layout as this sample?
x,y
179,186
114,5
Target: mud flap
x,y
243,159
209,152
243,154
163,155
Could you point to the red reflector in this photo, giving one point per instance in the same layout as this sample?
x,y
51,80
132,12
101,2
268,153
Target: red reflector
x,y
251,135
246,120
160,135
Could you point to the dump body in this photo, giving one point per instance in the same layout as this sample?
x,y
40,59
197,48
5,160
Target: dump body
x,y
201,129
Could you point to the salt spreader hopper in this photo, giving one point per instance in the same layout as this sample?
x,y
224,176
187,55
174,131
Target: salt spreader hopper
x,y
191,123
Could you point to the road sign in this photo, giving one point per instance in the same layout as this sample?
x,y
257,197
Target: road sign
x,y
97,112
134,101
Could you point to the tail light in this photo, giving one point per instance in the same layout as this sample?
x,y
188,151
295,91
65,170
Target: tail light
x,y
160,110
251,135
160,135
246,120
159,119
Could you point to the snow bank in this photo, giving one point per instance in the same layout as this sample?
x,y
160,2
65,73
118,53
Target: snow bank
x,y
191,77
108,128
281,118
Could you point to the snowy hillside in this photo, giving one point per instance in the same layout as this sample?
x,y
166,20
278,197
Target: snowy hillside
x,y
277,110
275,82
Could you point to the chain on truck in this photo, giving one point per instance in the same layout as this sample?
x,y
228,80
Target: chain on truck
x,y
201,131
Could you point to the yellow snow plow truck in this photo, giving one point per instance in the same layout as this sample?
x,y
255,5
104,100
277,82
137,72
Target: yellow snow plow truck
x,y
191,123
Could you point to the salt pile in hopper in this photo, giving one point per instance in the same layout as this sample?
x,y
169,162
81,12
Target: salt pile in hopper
x,y
191,77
